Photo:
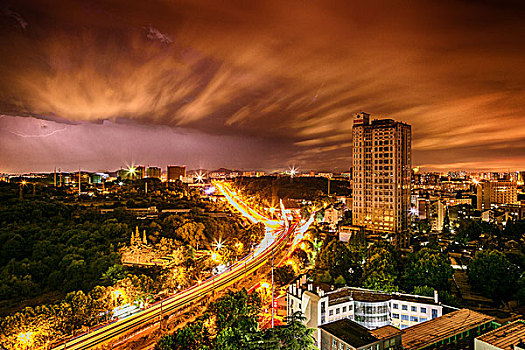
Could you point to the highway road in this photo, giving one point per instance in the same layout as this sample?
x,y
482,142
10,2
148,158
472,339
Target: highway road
x,y
277,236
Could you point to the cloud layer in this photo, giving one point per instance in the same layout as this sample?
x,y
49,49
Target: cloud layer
x,y
281,80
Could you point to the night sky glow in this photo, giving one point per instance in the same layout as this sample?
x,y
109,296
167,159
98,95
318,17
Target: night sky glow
x,y
258,84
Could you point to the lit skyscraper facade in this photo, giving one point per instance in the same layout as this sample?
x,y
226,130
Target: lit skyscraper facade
x,y
381,174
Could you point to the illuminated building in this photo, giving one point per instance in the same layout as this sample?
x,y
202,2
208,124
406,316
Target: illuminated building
x,y
322,304
140,172
491,194
381,174
153,171
176,172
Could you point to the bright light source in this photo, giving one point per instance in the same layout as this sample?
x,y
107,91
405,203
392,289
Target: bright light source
x,y
26,339
264,285
413,211
117,294
131,170
272,210
292,171
219,245
214,257
24,182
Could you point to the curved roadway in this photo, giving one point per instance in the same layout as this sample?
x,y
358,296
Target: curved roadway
x,y
250,263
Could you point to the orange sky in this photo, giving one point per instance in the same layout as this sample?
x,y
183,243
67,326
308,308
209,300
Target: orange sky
x,y
258,84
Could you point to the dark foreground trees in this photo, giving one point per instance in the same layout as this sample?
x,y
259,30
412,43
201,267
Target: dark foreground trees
x,y
230,323
494,275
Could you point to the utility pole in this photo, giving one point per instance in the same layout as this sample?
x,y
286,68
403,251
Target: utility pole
x,y
272,287
79,182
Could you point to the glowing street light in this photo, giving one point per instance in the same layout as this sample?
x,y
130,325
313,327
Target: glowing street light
x,y
25,339
118,295
264,285
292,171
199,177
219,245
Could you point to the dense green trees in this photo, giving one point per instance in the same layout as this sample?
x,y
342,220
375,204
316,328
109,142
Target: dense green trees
x,y
336,259
271,188
427,267
494,275
52,321
231,323
381,269
52,253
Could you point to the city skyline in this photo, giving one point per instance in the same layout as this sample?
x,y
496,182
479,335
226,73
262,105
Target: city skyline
x,y
259,86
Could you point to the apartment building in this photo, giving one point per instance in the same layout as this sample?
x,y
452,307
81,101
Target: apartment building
x,y
381,174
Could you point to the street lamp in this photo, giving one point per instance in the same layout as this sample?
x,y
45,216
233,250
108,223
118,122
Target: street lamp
x,y
219,244
22,184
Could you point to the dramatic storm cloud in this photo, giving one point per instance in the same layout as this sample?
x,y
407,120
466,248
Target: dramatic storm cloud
x,y
258,84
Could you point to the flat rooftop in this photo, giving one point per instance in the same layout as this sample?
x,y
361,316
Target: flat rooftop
x,y
366,295
507,336
440,328
350,332
386,332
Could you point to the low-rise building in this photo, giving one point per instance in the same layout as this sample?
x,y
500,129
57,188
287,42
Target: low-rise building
x,y
455,330
321,304
507,337
332,215
348,335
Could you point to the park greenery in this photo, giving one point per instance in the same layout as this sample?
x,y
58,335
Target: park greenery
x,y
381,267
269,189
60,255
231,323
495,271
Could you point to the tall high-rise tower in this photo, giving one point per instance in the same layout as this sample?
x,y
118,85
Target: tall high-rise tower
x,y
381,174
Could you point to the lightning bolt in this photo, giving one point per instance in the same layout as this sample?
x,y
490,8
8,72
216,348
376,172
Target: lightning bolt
x,y
45,135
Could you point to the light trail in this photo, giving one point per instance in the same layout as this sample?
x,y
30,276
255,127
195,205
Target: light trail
x,y
277,238
244,209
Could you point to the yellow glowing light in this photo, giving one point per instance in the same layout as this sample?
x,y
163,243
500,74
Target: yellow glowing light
x,y
219,245
117,294
272,210
24,182
242,207
264,285
131,170
291,263
26,339
475,181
